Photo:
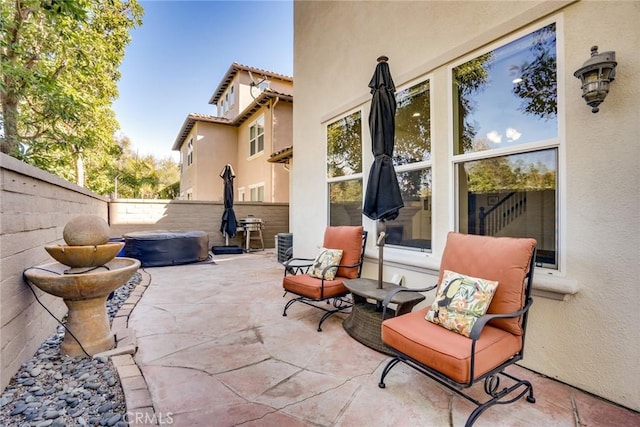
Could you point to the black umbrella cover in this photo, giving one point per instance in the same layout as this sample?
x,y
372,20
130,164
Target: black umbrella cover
x,y
383,198
229,224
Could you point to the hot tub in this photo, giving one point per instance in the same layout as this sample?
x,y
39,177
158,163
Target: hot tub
x,y
160,248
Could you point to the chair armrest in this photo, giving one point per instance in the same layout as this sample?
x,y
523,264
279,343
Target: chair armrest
x,y
389,296
286,263
483,320
298,267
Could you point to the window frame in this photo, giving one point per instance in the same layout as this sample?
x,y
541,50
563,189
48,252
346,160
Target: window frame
x,y
190,150
417,166
256,187
256,138
557,143
343,178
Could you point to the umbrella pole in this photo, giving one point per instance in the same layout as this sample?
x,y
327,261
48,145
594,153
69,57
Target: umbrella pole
x,y
380,242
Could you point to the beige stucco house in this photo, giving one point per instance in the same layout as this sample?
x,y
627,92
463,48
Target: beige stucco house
x,y
253,121
487,106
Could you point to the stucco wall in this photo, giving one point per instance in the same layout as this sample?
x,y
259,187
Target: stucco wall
x,y
282,137
214,147
34,207
588,339
254,170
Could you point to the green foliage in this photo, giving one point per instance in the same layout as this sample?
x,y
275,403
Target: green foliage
x,y
143,177
538,88
521,172
413,125
60,62
344,146
469,78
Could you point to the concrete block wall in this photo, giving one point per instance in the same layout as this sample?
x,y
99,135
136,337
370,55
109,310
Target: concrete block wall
x,y
127,216
34,208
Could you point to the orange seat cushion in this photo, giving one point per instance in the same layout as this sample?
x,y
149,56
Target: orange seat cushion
x,y
448,352
349,239
311,287
503,259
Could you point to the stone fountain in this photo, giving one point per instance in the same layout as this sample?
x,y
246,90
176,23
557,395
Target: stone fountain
x,y
87,271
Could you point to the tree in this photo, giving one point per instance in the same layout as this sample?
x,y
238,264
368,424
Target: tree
x,y
539,86
146,177
344,146
59,63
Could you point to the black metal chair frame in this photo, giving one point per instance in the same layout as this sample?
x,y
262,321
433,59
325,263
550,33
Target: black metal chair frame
x,y
340,303
492,378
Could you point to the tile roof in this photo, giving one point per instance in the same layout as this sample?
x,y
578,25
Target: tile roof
x,y
260,101
190,121
281,156
233,70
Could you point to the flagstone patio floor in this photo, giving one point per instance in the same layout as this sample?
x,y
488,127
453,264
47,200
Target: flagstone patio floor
x,y
215,350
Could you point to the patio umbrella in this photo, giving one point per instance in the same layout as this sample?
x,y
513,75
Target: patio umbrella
x,y
229,224
383,199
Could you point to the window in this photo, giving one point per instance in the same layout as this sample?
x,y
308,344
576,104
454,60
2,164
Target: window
x,y
506,142
190,152
256,137
344,170
412,161
232,96
257,193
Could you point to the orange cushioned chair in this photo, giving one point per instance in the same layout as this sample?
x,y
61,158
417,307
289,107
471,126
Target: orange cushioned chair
x,y
311,290
494,341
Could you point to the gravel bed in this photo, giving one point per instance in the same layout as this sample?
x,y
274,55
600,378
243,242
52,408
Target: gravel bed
x,y
59,391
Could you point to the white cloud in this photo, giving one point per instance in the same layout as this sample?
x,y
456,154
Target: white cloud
x,y
494,137
512,134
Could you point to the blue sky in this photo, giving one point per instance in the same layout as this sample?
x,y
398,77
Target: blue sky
x,y
178,56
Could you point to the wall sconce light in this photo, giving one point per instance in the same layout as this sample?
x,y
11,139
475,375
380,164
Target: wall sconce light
x,y
596,74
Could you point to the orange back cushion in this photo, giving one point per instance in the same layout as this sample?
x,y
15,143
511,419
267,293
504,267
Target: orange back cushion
x,y
504,259
349,239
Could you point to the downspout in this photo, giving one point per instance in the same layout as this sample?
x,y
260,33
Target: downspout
x,y
273,166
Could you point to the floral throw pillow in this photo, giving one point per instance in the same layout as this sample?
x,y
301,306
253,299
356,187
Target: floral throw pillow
x,y
326,258
460,301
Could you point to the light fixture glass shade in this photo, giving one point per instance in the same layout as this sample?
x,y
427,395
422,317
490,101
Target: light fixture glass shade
x,y
595,75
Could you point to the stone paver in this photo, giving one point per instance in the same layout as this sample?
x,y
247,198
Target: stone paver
x,y
215,350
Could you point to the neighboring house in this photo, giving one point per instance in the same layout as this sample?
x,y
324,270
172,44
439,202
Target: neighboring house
x,y
253,121
489,114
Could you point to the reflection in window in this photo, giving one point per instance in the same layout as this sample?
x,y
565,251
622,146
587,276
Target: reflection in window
x,y
413,125
412,228
345,202
344,146
412,160
344,170
508,96
513,196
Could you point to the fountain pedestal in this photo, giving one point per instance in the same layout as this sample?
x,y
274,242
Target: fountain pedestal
x,y
85,294
88,322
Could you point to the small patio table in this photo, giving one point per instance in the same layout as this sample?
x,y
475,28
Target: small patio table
x,y
365,319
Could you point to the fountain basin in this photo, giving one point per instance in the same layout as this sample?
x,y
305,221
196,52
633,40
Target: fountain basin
x,y
85,294
51,279
84,256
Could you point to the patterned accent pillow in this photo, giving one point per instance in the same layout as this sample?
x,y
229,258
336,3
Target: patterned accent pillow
x,y
326,258
460,301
